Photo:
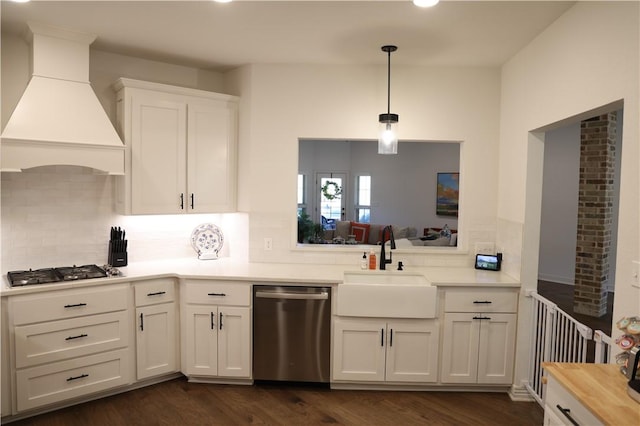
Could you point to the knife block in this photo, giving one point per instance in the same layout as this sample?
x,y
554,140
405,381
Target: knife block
x,y
118,253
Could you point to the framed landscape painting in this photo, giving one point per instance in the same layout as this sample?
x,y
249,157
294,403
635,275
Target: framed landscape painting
x,y
447,201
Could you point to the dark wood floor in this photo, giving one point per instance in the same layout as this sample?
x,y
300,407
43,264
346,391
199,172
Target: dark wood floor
x,y
178,402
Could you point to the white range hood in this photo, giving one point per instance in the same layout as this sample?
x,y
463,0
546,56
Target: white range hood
x,y
59,120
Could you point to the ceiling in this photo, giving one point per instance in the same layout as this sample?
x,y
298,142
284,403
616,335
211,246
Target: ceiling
x,y
219,37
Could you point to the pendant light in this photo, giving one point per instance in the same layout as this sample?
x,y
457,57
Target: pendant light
x,y
388,129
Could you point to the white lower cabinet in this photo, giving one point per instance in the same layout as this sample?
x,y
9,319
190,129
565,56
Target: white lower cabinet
x,y
385,350
478,348
216,336
156,328
69,343
156,344
218,341
5,367
562,408
479,330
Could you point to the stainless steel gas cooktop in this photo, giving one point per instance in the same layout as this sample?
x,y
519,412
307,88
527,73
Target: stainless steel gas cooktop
x,y
63,273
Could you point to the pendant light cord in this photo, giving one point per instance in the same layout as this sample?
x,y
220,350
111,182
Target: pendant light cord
x,y
389,81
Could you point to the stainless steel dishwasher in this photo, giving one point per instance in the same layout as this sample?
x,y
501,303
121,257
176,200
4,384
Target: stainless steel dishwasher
x,y
291,333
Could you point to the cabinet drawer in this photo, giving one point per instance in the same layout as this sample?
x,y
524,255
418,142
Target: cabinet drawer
x,y
481,300
557,395
63,304
64,339
217,293
155,291
51,383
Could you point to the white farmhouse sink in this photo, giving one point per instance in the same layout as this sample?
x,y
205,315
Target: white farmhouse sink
x,y
386,294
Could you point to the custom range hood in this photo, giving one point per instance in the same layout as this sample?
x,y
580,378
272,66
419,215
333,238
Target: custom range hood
x,y
59,120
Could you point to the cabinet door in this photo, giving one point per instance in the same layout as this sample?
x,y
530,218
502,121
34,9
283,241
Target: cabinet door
x,y
156,344
201,340
211,148
234,342
5,387
359,349
460,348
412,351
158,154
496,348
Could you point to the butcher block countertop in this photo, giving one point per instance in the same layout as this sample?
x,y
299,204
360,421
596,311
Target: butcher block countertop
x,y
599,387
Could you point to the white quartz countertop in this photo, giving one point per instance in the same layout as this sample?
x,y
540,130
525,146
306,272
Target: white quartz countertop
x,y
285,273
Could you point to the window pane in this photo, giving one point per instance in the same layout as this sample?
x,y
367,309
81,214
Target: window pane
x,y
364,191
300,189
363,215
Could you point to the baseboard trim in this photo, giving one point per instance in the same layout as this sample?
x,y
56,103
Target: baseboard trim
x,y
520,394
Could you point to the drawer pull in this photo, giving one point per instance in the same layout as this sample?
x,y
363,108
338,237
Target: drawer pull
x,y
382,337
220,320
157,293
213,325
76,337
216,294
391,337
77,305
82,376
482,301
141,322
567,414
481,318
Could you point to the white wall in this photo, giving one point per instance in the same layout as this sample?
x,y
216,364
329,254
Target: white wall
x,y
587,58
288,102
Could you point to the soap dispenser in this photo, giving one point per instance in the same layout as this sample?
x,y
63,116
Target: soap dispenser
x,y
364,263
372,260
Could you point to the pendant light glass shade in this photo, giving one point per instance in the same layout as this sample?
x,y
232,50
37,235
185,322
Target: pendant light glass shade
x,y
388,128
388,134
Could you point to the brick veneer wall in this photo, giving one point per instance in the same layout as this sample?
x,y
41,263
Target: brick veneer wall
x,y
595,214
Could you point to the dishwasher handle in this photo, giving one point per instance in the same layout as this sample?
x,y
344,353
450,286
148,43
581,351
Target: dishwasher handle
x,y
284,295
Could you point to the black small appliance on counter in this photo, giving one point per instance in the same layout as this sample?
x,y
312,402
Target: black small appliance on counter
x,y
633,387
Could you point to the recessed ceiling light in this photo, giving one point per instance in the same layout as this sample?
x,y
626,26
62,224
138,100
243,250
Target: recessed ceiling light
x,y
21,1
223,1
425,3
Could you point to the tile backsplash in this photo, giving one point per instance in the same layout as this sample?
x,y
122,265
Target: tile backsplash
x,y
61,215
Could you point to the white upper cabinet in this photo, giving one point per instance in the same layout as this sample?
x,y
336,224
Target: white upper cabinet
x,y
181,149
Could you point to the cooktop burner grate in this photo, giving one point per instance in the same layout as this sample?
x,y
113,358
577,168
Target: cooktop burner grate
x,y
30,277
70,273
52,275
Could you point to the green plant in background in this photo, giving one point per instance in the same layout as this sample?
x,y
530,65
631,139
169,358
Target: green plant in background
x,y
318,230
305,227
